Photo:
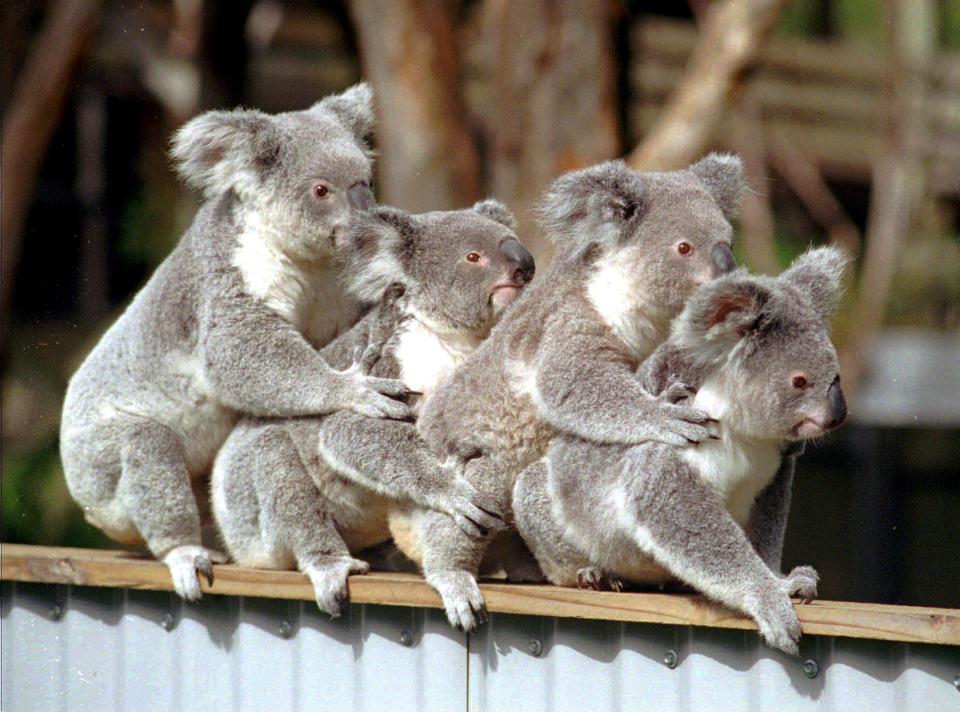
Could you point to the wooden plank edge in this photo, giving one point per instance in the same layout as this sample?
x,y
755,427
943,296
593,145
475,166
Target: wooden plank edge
x,y
120,569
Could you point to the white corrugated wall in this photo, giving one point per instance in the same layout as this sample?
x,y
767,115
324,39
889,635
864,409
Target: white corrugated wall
x,y
76,649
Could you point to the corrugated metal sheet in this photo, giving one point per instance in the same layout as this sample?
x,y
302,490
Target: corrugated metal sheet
x,y
111,650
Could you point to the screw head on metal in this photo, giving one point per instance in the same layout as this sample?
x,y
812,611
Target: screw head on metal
x,y
535,646
167,622
810,668
56,612
406,637
671,658
285,629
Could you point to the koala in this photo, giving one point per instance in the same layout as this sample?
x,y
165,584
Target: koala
x,y
228,324
632,248
280,501
755,353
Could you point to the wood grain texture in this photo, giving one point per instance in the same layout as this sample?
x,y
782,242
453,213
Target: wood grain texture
x,y
121,569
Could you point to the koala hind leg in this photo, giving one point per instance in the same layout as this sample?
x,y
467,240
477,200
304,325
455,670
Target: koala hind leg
x,y
155,492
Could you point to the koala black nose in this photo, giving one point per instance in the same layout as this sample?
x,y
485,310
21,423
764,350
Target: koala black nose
x,y
838,404
722,257
519,255
359,196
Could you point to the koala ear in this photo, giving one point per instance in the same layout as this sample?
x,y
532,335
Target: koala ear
x,y
496,211
592,204
818,275
218,150
372,250
719,315
722,174
354,109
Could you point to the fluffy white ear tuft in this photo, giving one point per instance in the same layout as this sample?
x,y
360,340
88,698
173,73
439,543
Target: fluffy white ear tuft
x,y
818,274
215,151
722,174
496,211
354,109
371,250
593,204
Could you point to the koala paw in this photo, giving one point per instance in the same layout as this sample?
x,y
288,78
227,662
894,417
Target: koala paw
x,y
778,622
186,563
802,582
474,512
374,397
329,579
677,392
594,579
462,600
682,425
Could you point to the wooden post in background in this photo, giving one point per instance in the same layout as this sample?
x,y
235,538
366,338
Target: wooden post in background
x,y
409,53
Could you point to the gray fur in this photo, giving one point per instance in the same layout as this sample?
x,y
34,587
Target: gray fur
x,y
228,324
282,502
711,515
563,359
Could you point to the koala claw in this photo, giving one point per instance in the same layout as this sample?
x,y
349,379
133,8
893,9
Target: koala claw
x,y
779,624
802,582
463,602
675,393
474,512
596,580
680,425
186,563
329,579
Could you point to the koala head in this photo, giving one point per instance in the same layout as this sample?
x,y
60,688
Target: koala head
x,y
297,175
663,234
459,268
767,340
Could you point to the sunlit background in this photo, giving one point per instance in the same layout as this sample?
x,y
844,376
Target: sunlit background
x,y
846,113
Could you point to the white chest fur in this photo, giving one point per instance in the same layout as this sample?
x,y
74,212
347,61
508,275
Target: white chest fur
x,y
306,294
614,294
737,467
427,358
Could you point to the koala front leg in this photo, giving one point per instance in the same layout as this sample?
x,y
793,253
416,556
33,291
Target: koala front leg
x,y
260,365
767,524
682,523
154,490
389,457
589,390
451,560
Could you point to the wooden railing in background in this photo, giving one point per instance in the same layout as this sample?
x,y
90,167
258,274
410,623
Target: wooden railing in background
x,y
822,97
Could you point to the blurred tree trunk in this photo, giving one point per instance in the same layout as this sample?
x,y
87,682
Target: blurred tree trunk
x,y
410,56
733,33
899,174
30,120
553,83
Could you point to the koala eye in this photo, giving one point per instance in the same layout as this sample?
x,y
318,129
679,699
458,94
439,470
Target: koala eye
x,y
799,382
473,257
684,248
320,191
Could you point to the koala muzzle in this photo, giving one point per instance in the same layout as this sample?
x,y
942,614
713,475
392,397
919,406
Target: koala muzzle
x,y
359,196
838,404
722,257
521,258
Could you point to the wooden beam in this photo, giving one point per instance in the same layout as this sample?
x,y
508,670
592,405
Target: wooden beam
x,y
121,569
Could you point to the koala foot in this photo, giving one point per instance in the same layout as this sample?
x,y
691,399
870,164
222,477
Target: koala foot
x,y
374,397
329,579
778,622
594,579
186,563
462,600
474,512
802,582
